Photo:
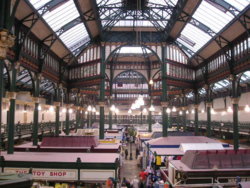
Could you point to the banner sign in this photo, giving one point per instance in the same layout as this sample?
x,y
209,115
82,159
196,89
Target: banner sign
x,y
46,174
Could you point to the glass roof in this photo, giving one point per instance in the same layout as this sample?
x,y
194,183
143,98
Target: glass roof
x,y
156,16
164,2
39,3
61,15
132,50
214,16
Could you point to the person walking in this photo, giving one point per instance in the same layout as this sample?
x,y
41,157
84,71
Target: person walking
x,y
135,182
126,153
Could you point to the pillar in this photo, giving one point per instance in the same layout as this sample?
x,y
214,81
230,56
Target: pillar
x,y
149,121
235,101
67,120
36,111
164,119
1,94
164,95
110,119
6,41
209,105
12,96
196,112
196,119
102,93
235,104
184,118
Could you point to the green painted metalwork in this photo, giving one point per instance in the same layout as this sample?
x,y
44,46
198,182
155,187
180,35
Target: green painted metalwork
x,y
110,119
102,93
1,96
11,122
36,111
164,94
67,122
208,121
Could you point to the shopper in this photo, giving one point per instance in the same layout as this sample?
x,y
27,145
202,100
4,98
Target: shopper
x,y
126,153
135,182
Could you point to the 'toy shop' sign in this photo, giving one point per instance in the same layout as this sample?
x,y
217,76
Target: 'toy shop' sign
x,y
46,174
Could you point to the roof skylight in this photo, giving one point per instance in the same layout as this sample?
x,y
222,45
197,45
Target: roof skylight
x,y
132,50
213,14
60,15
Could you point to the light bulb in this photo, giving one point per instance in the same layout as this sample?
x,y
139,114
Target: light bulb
x,y
168,110
70,111
39,108
97,113
192,111
144,111
151,82
89,108
63,110
151,108
112,108
173,109
180,112
93,109
187,112
202,111
129,111
229,109
247,109
86,112
51,109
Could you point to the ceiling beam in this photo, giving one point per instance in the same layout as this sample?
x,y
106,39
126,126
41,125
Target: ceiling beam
x,y
83,18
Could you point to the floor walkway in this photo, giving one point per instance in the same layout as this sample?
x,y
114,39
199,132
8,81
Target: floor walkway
x,y
129,168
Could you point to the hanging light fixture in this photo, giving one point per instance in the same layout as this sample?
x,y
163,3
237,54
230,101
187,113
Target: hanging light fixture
x,y
51,109
93,109
247,109
70,111
151,82
39,108
168,110
151,108
144,110
63,110
89,108
180,112
97,113
86,112
173,109
112,108
202,111
187,112
229,109
192,111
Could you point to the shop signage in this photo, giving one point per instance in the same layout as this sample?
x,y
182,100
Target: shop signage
x,y
46,174
96,175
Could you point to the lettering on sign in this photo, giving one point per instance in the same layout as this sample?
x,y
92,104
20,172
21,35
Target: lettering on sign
x,y
95,175
46,174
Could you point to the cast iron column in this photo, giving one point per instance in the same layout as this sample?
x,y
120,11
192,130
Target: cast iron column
x,y
36,111
102,93
235,101
110,119
164,103
12,96
57,104
209,104
196,111
67,120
